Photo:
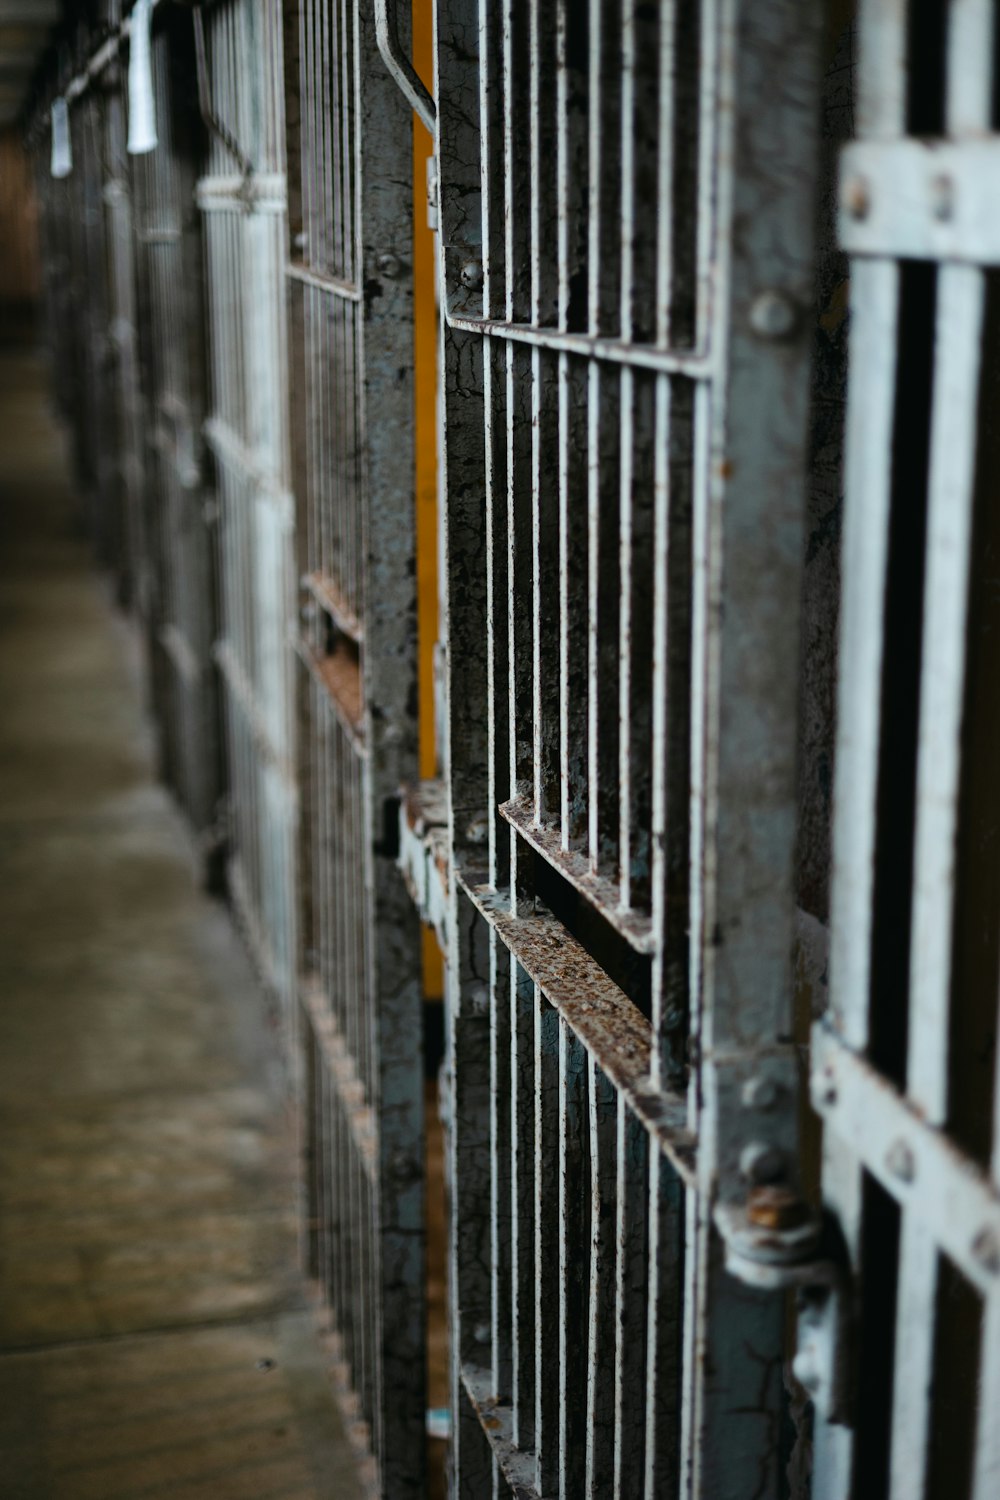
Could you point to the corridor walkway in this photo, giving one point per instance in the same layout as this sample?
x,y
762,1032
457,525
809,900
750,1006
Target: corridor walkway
x,y
154,1337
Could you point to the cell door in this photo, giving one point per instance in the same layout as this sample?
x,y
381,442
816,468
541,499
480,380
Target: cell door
x,y
626,269
242,199
133,582
182,617
903,1065
95,425
349,284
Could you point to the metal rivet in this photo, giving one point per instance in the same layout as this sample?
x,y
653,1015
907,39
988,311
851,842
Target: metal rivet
x,y
478,997
773,315
828,1086
477,831
901,1161
390,265
761,1163
986,1250
673,1018
805,1371
472,275
481,1333
760,1093
857,197
942,197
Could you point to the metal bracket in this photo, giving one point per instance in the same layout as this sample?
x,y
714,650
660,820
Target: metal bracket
x,y
399,65
775,1257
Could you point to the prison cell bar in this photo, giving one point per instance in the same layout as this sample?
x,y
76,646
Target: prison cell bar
x,y
501,279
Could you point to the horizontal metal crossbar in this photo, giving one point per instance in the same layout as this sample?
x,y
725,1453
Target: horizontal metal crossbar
x,y
262,193
323,281
341,1069
497,1421
261,949
423,853
329,598
345,712
918,1164
696,365
230,450
178,649
242,693
921,200
634,926
600,1014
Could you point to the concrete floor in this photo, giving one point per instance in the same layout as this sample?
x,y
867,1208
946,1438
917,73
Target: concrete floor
x,y
155,1337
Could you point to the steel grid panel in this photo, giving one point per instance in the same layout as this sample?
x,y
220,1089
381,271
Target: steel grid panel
x,y
243,217
625,256
181,616
350,322
914,1191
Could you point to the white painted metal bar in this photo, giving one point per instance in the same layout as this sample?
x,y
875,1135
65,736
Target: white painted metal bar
x,y
599,1458
549,1169
574,1266
631,1297
922,200
874,296
693,363
933,1180
942,690
627,397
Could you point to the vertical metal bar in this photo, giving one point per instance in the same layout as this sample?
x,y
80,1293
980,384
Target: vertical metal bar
x,y
664,1368
601,1364
522,1211
573,1228
960,306
625,690
871,402
549,1167
501,1154
631,1289
573,600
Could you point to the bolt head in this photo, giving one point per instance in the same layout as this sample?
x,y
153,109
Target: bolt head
x,y
761,1163
773,315
760,1093
478,999
901,1162
942,196
856,196
828,1086
986,1250
472,275
390,265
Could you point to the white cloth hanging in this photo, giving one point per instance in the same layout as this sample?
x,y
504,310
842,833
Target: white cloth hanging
x,y
141,104
62,148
